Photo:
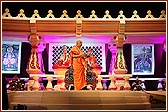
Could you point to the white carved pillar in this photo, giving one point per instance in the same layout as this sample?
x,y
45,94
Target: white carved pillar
x,y
112,85
61,83
99,84
33,65
126,84
36,85
120,68
49,84
30,84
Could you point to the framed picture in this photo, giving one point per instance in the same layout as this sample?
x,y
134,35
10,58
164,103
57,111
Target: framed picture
x,y
11,54
143,59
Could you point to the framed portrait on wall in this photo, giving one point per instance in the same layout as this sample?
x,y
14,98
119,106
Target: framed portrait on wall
x,y
11,54
143,59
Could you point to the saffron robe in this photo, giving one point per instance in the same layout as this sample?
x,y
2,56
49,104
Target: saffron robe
x,y
79,66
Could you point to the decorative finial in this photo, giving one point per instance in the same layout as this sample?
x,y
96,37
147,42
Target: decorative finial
x,y
64,14
7,14
135,14
93,15
21,14
121,12
149,14
50,14
163,15
50,11
79,15
35,14
121,16
107,14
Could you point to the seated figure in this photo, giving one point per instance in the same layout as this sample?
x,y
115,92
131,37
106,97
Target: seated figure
x,y
64,59
91,60
137,85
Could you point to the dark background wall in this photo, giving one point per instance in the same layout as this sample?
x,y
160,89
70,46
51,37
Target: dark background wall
x,y
160,61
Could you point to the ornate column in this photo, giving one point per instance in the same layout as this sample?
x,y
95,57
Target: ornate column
x,y
33,65
120,68
119,40
120,65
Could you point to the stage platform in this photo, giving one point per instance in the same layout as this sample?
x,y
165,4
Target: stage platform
x,y
81,100
157,99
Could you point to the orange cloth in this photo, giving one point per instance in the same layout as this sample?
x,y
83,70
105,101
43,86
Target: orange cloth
x,y
92,61
79,66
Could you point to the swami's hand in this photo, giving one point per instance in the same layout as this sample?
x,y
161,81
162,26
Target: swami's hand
x,y
83,55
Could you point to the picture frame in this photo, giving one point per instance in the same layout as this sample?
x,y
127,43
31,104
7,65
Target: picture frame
x,y
11,57
143,59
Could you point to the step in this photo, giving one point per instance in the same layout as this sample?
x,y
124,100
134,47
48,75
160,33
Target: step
x,y
52,100
127,106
